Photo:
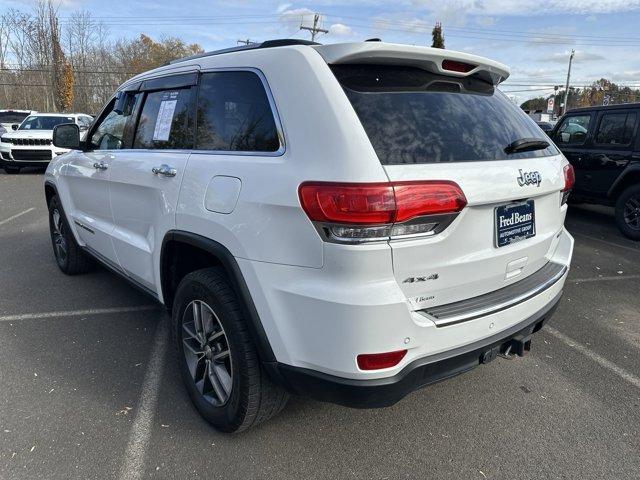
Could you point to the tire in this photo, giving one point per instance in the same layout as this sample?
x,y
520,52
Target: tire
x,y
230,390
12,170
628,212
68,254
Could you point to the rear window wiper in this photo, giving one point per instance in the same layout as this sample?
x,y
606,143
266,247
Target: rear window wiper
x,y
526,145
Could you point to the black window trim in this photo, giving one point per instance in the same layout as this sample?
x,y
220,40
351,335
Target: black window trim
x,y
173,81
274,111
625,146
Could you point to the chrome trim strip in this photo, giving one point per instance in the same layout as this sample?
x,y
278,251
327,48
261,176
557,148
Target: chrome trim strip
x,y
441,221
501,299
84,227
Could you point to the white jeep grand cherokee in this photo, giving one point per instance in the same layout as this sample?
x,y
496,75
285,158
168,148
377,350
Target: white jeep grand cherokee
x,y
349,222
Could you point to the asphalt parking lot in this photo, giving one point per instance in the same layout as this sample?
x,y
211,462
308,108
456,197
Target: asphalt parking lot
x,y
89,386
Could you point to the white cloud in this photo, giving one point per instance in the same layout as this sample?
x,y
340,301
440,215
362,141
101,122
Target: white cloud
x,y
529,7
414,25
302,15
340,30
282,7
485,21
628,76
580,55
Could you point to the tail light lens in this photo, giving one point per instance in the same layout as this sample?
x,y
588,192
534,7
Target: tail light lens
x,y
569,182
348,203
377,361
372,211
569,178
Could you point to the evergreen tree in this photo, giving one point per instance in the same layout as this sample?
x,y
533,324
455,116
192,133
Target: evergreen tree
x,y
438,37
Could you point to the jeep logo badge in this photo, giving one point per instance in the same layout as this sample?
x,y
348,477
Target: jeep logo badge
x,y
529,178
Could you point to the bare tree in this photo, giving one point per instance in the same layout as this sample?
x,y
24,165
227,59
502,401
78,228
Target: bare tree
x,y
48,65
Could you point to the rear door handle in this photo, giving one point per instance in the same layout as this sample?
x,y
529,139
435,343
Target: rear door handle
x,y
164,170
100,166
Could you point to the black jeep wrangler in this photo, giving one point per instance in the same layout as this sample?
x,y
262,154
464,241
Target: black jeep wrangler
x,y
603,145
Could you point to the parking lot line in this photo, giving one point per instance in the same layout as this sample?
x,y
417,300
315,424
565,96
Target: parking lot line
x,y
133,464
604,279
606,242
603,362
7,220
76,313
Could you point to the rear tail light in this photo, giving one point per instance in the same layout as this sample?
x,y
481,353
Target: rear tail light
x,y
377,361
356,212
456,66
569,182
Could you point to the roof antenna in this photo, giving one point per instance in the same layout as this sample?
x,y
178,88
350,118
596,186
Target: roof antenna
x,y
373,39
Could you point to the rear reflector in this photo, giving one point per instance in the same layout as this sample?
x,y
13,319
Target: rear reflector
x,y
377,361
379,203
569,178
455,66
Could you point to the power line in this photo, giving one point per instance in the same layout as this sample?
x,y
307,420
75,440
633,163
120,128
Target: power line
x,y
51,86
50,69
315,29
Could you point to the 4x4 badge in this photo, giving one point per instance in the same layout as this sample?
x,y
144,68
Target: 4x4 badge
x,y
529,178
433,276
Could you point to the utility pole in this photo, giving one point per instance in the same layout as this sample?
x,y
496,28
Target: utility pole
x,y
315,29
566,90
245,42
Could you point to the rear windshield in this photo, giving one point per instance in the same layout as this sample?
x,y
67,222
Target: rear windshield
x,y
12,117
44,123
413,116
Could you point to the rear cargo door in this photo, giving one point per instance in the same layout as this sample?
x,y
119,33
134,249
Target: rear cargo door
x,y
428,126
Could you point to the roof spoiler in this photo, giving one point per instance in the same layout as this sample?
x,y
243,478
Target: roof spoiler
x,y
435,60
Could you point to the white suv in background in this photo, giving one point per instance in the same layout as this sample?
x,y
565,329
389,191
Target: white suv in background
x,y
9,118
349,222
30,143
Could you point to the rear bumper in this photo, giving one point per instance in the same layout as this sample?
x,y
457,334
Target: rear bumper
x,y
386,391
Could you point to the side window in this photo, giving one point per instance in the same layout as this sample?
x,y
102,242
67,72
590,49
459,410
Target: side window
x,y
110,130
234,114
616,129
573,130
164,121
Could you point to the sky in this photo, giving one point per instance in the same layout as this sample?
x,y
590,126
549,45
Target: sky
x,y
533,37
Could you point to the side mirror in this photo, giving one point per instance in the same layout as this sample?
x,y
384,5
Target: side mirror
x,y
15,126
66,135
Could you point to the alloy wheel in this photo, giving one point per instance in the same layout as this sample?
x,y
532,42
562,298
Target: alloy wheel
x,y
207,353
59,242
632,212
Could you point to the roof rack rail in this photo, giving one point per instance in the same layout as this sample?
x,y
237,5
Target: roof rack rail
x,y
284,42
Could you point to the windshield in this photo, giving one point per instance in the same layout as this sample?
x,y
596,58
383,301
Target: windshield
x,y
414,116
36,122
12,117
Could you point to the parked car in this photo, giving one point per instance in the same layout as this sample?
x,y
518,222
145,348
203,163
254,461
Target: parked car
x,y
29,145
8,118
326,220
545,126
603,145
